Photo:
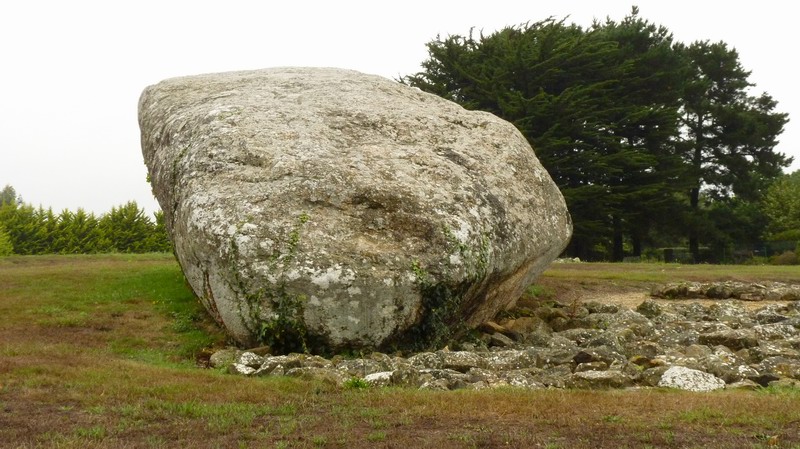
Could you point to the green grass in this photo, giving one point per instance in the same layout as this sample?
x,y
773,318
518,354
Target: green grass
x,y
668,272
100,352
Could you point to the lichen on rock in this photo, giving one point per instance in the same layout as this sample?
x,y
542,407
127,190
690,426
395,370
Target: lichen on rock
x,y
325,209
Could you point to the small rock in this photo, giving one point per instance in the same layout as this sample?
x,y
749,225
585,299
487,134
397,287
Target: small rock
x,y
286,362
734,339
406,377
519,379
381,379
250,359
650,377
554,377
491,327
777,331
477,375
598,307
527,325
591,366
461,361
426,360
765,379
512,359
435,385
649,308
238,368
500,340
743,385
785,383
223,357
361,367
646,362
599,379
770,316
780,366
688,379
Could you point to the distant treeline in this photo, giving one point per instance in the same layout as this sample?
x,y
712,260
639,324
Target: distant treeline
x,y
25,230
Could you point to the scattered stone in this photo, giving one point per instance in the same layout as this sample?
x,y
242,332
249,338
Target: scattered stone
x,y
732,338
743,385
652,376
520,379
628,350
223,358
689,379
435,385
785,383
500,340
775,331
649,308
599,380
361,367
773,291
238,368
461,361
491,327
381,379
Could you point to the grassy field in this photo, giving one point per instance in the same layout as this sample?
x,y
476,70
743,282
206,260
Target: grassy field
x,y
100,351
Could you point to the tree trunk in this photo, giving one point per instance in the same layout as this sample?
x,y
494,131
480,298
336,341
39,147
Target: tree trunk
x,y
694,242
618,252
636,240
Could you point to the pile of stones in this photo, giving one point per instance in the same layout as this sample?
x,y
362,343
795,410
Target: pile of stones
x,y
768,291
590,345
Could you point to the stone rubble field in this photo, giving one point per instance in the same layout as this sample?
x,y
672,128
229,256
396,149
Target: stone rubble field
x,y
677,344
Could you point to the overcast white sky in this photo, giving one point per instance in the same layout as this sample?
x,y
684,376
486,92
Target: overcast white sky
x,y
72,71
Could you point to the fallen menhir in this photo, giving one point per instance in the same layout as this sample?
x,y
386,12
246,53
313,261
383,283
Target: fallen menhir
x,y
321,209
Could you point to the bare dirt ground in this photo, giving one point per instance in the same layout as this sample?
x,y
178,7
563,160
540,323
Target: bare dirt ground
x,y
623,293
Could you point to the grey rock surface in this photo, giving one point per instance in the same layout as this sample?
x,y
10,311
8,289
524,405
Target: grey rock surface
x,y
697,361
327,207
772,291
689,379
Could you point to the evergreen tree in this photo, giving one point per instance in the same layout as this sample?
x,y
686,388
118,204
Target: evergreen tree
x,y
729,136
126,228
64,240
8,195
158,241
6,246
643,119
782,207
86,232
32,230
22,224
46,231
599,107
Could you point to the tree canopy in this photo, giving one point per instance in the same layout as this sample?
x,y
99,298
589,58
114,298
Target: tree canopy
x,y
782,207
631,125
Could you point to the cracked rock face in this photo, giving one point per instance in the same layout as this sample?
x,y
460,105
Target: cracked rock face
x,y
331,208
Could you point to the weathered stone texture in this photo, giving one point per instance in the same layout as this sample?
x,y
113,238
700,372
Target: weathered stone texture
x,y
343,208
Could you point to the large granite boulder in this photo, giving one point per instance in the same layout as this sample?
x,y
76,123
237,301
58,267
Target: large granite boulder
x,y
329,208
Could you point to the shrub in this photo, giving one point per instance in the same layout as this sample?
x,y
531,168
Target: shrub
x,y
356,383
787,258
756,260
6,247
